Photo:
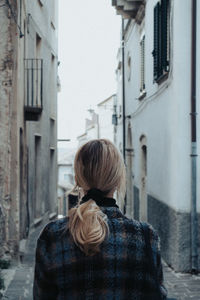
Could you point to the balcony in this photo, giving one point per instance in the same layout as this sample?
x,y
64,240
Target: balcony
x,y
33,69
130,9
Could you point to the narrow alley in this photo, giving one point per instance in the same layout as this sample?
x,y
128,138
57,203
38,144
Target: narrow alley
x,y
68,78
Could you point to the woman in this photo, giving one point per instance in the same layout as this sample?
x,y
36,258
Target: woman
x,y
96,252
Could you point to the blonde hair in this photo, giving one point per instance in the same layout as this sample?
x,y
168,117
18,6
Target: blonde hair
x,y
98,164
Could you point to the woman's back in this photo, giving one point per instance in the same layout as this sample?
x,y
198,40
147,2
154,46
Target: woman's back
x,y
120,270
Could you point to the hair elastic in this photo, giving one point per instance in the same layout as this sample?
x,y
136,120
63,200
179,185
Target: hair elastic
x,y
99,197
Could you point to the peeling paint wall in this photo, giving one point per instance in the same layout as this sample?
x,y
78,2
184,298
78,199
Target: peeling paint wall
x,y
18,181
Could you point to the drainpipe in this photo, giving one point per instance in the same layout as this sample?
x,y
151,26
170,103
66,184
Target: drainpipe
x,y
123,93
123,104
194,222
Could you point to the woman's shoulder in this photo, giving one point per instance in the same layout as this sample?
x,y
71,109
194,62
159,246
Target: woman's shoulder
x,y
151,233
139,227
54,228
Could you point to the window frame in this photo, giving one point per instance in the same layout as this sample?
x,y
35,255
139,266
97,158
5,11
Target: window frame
x,y
161,58
142,67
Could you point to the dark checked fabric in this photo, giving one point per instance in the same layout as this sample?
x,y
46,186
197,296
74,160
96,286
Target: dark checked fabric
x,y
121,270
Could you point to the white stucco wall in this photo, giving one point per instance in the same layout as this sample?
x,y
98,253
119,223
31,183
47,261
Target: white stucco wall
x,y
163,116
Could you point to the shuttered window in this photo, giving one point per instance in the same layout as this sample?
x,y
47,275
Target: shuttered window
x,y
142,66
161,40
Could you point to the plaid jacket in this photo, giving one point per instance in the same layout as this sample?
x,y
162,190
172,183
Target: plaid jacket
x,y
121,270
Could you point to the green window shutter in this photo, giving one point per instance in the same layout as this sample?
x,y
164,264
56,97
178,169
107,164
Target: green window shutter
x,y
161,39
160,43
164,40
156,51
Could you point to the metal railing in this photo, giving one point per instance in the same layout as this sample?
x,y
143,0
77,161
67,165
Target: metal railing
x,y
33,69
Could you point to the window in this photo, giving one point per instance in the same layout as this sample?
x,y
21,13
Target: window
x,y
129,66
142,66
38,178
38,44
161,40
52,133
52,25
52,58
33,83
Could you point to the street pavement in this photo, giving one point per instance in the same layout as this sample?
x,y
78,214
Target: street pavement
x,y
180,286
20,288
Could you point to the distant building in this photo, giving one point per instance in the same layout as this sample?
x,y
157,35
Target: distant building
x,y
65,177
158,71
91,129
102,122
28,118
106,113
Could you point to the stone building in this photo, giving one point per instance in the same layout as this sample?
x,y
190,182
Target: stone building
x,y
158,70
28,112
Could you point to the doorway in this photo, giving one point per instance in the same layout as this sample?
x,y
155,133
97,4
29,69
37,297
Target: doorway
x,y
129,165
143,179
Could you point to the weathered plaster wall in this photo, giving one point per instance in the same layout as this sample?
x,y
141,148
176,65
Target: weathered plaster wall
x,y
9,168
18,207
42,21
163,118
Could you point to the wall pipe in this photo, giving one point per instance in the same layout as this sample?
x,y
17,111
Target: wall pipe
x,y
123,104
123,93
194,222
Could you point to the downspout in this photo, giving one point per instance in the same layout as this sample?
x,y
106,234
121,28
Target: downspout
x,y
123,92
194,222
123,104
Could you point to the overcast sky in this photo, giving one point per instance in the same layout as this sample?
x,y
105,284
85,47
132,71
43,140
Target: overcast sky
x,y
89,37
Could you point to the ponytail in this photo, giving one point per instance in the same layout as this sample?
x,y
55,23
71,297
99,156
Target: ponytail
x,y
88,227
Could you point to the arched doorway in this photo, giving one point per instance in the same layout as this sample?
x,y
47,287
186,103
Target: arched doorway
x,y
129,169
143,178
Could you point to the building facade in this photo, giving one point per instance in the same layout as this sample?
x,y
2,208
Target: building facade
x,y
158,71
106,112
91,129
65,177
28,118
102,123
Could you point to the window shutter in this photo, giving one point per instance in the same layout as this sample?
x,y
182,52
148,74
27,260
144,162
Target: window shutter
x,y
142,67
156,50
161,39
143,62
160,70
164,30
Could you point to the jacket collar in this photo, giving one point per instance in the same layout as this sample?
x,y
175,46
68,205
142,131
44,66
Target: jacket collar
x,y
112,212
